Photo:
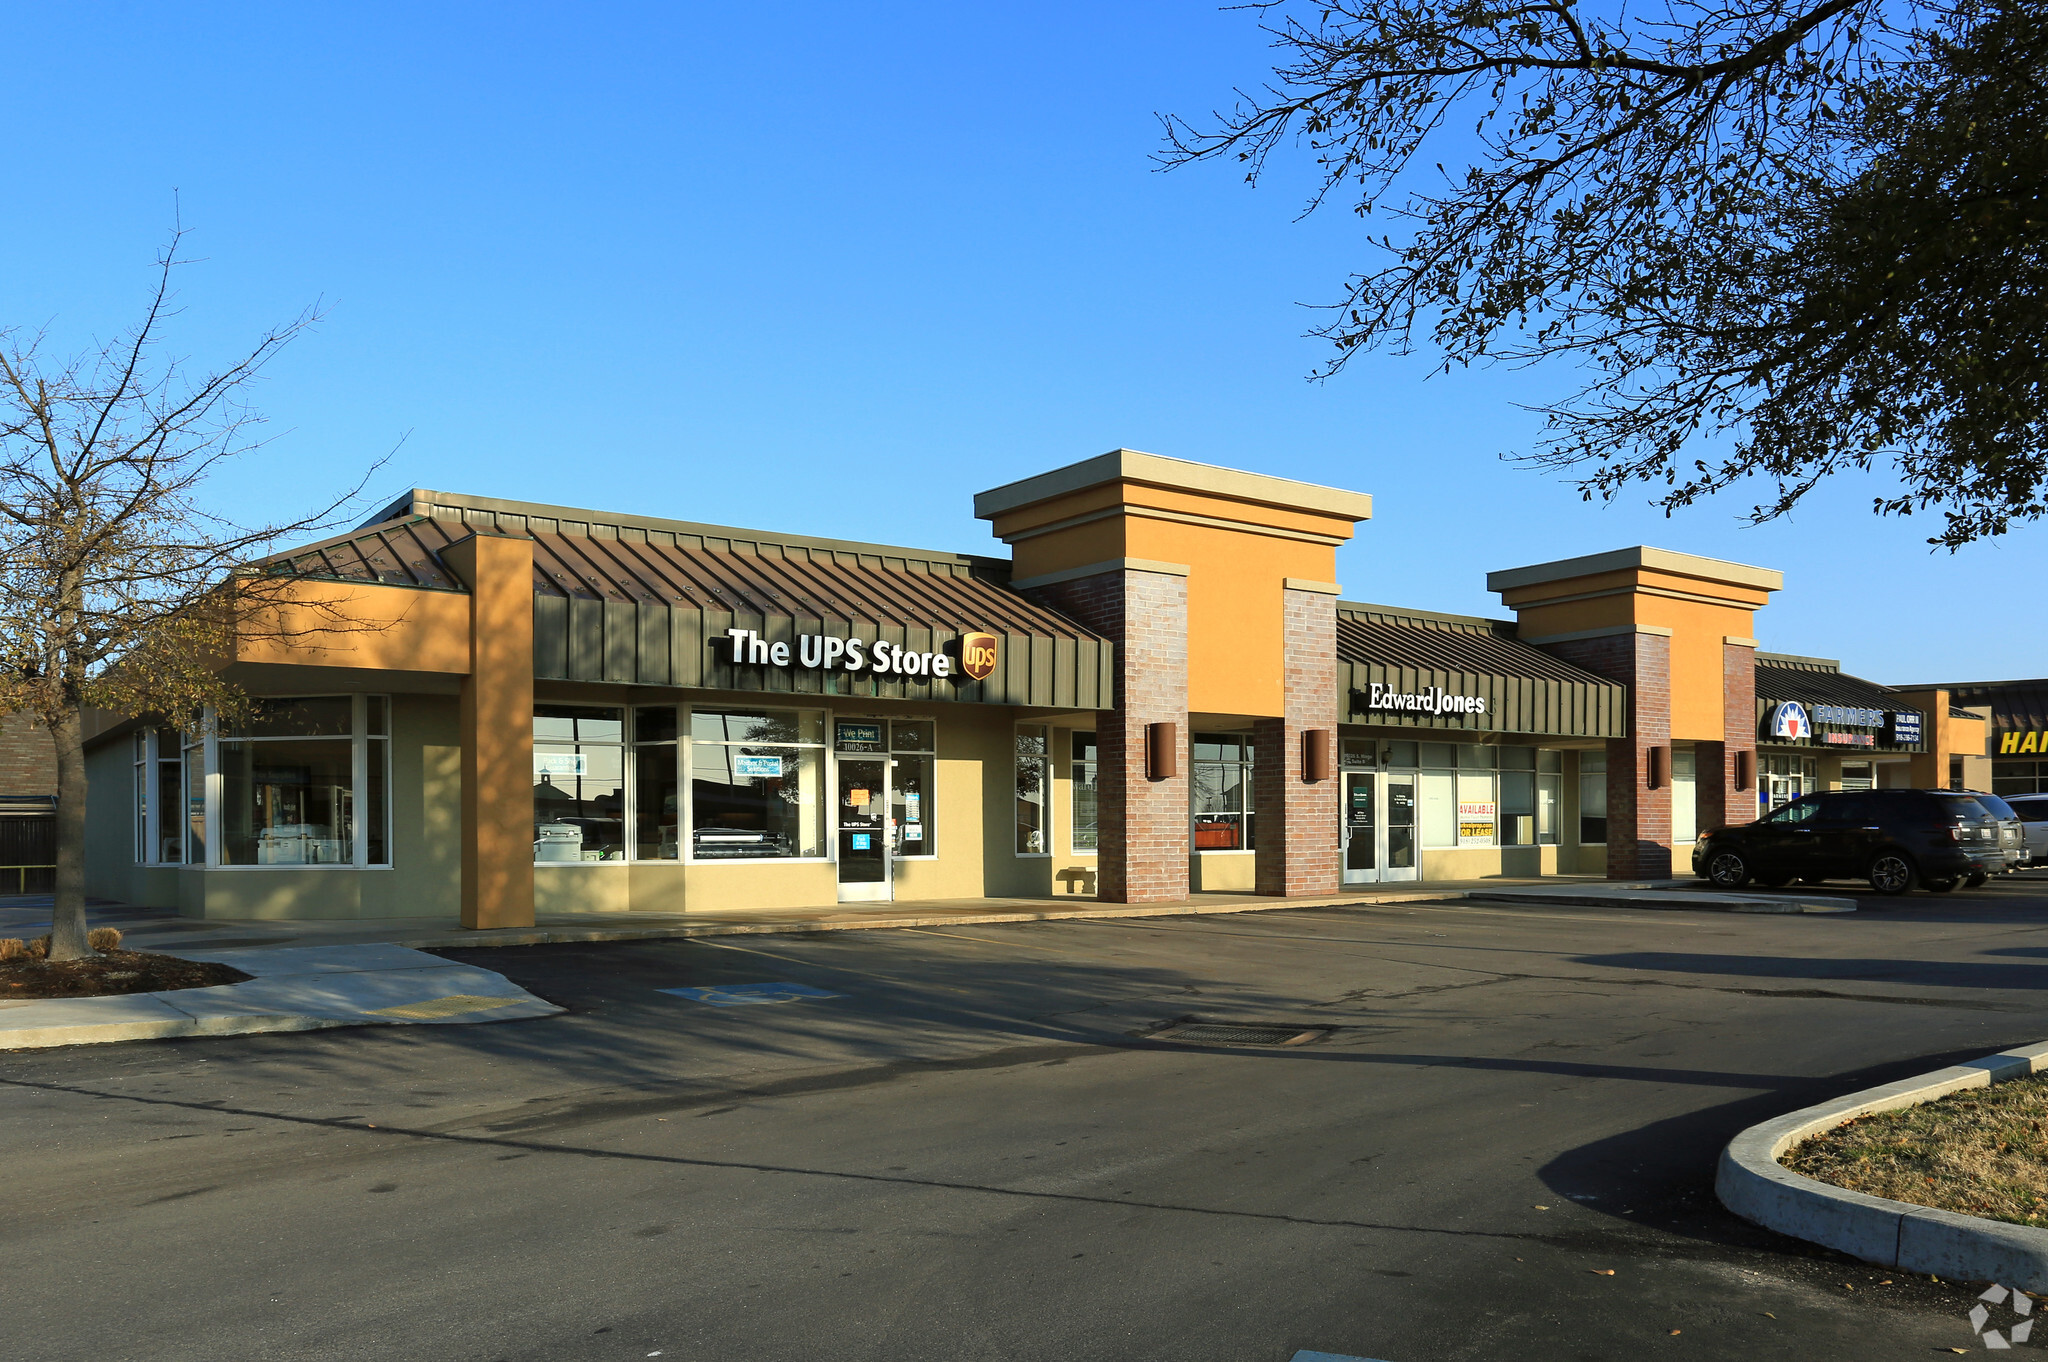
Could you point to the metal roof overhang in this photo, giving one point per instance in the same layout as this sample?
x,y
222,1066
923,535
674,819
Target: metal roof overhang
x,y
1814,686
637,606
1527,691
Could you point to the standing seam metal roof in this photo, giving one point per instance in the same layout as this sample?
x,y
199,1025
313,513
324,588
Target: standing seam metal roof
x,y
1424,644
1822,688
789,583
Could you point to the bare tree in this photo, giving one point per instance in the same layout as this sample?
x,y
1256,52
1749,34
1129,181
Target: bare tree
x,y
123,592
1770,239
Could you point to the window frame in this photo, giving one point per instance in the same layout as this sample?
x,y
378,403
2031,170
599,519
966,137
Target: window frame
x,y
929,812
628,775
686,747
358,739
1094,782
1047,805
1247,811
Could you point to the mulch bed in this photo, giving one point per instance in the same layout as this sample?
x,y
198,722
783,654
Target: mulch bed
x,y
109,972
1981,1151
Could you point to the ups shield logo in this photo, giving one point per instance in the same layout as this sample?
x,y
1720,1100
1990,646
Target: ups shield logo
x,y
978,653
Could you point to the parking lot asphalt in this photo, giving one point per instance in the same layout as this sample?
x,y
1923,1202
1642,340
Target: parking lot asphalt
x,y
976,1147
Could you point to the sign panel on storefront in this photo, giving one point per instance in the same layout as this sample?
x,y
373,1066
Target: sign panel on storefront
x,y
1905,727
757,768
1428,700
1848,716
1789,720
553,764
976,661
1476,818
857,737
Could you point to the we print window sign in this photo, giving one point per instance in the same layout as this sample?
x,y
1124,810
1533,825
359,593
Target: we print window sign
x,y
972,657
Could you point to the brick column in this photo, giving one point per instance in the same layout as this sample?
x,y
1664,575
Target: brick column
x,y
1720,802
1638,817
1294,821
1142,824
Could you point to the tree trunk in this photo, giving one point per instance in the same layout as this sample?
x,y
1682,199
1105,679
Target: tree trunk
x,y
67,915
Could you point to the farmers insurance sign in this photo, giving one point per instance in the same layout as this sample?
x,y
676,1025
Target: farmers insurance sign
x,y
978,654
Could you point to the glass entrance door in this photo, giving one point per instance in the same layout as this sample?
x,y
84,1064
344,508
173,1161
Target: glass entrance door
x,y
865,856
1398,793
1378,827
1361,827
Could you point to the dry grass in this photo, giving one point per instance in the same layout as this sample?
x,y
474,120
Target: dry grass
x,y
1983,1151
104,938
13,948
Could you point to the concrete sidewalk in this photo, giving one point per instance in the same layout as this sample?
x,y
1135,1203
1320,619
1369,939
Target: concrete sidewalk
x,y
160,929
300,989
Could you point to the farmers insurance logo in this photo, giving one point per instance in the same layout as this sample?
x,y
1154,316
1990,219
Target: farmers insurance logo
x,y
978,654
1789,721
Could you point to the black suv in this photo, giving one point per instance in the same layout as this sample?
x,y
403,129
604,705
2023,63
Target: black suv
x,y
1894,838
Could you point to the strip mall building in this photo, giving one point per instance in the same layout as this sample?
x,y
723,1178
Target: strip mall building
x,y
1160,691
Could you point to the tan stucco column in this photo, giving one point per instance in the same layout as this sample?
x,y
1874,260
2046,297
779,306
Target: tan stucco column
x,y
497,730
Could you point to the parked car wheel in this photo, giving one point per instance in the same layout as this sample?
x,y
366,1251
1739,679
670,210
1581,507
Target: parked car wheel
x,y
1976,878
1728,869
1940,884
1892,872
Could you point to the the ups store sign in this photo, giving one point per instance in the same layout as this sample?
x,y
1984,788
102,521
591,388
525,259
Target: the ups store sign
x,y
974,656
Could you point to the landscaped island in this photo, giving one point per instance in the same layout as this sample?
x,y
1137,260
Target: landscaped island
x,y
1982,1152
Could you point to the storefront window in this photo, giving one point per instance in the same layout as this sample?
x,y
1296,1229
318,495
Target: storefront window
x,y
1032,790
142,785
1684,796
913,788
1220,788
159,797
1592,798
657,811
2010,777
194,785
1085,829
1437,793
579,783
756,778
1517,808
302,782
1478,809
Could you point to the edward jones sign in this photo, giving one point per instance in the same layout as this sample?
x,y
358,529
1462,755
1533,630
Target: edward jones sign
x,y
977,660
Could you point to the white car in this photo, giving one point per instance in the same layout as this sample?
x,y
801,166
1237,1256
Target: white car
x,y
2033,812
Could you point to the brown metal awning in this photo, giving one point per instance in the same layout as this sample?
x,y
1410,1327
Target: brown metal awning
x,y
640,602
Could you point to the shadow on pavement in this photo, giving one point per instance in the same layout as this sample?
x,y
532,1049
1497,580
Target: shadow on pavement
x,y
1929,973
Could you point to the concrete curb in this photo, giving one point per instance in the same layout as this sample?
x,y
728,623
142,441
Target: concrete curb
x,y
1669,900
293,989
1753,1184
550,936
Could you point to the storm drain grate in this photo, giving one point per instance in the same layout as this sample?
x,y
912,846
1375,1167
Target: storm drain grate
x,y
1217,1033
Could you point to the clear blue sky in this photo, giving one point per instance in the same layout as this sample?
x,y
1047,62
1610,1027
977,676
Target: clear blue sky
x,y
826,269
